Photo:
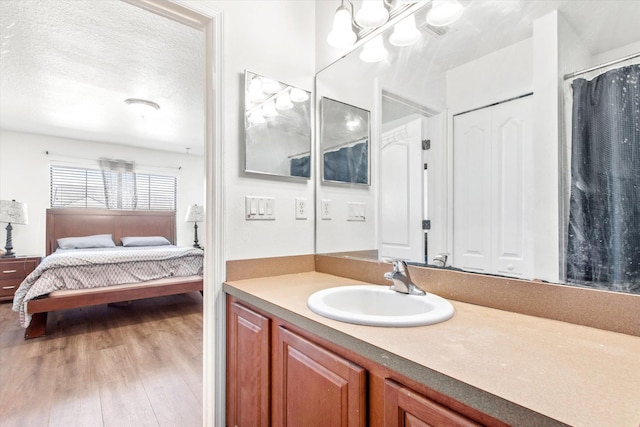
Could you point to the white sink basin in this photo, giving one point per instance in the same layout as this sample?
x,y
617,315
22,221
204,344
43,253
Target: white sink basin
x,y
375,305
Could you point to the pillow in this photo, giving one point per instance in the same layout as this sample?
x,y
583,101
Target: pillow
x,y
85,242
145,241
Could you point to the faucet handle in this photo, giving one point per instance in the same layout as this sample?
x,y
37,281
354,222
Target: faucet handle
x,y
400,266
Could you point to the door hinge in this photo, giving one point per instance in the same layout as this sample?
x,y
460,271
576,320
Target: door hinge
x,y
426,224
426,144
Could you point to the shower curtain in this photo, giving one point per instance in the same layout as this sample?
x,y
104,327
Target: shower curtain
x,y
603,241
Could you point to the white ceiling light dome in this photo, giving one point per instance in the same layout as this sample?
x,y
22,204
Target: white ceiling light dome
x,y
372,13
444,12
142,107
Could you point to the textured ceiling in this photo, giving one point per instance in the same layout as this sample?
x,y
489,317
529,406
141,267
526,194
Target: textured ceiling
x,y
66,67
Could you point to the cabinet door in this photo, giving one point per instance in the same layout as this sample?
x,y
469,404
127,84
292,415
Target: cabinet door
x,y
405,408
248,336
313,387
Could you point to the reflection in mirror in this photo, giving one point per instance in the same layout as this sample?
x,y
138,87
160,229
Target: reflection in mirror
x,y
277,128
510,165
344,142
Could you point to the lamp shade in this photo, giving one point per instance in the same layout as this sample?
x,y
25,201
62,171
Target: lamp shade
x,y
342,35
444,12
195,213
372,13
405,32
13,212
374,50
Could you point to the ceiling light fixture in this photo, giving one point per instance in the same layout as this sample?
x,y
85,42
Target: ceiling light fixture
x,y
342,35
283,102
405,32
444,12
298,95
269,109
372,14
374,50
142,107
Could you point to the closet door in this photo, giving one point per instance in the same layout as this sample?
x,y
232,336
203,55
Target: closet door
x,y
472,191
512,176
492,173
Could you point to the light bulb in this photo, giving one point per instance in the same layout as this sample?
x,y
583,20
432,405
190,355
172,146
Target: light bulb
x,y
374,50
372,13
405,32
342,35
283,102
269,109
298,95
444,12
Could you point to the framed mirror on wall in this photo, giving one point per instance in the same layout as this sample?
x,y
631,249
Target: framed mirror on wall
x,y
344,142
500,188
277,122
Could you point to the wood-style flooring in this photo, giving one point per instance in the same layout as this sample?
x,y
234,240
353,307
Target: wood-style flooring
x,y
138,365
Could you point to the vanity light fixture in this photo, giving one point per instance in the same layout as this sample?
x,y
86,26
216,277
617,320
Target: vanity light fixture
x,y
269,109
283,102
142,107
271,86
342,35
372,14
256,93
444,12
374,50
405,32
298,95
256,117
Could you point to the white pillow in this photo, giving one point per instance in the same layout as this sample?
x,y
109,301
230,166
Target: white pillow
x,y
86,242
145,241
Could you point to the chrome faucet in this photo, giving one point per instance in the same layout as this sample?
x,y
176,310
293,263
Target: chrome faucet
x,y
401,280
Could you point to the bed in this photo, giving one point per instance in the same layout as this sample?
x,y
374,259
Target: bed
x,y
182,274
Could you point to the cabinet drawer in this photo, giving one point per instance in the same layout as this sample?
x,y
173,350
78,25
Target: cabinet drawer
x,y
9,286
13,269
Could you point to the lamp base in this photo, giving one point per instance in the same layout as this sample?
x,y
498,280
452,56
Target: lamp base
x,y
8,255
9,246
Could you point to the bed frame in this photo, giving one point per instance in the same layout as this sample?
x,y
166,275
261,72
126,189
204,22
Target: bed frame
x,y
83,222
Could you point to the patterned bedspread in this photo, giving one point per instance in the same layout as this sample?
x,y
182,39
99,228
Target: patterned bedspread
x,y
93,268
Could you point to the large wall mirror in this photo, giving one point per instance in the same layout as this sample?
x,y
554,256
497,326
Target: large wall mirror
x,y
277,128
491,143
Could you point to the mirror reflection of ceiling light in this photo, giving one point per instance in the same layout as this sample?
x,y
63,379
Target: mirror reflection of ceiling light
x,y
271,86
444,12
142,107
405,32
353,123
298,95
256,94
283,102
374,50
372,13
256,117
269,109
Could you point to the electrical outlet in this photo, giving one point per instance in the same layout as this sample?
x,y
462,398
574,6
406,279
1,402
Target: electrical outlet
x,y
325,209
301,208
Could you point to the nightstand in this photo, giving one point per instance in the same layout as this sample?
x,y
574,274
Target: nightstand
x,y
13,271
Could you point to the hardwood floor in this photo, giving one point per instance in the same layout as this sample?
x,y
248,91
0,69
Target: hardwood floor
x,y
138,365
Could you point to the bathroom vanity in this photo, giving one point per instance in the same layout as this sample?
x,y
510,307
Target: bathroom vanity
x,y
289,366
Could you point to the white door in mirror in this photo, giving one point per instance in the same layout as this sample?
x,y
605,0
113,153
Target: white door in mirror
x,y
376,305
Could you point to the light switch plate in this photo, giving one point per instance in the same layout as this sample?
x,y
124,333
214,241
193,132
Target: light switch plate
x,y
356,211
259,208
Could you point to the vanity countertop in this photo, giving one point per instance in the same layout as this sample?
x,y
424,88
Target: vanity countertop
x,y
509,365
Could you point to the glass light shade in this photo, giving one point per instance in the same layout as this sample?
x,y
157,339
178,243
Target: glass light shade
x,y
269,109
372,13
298,95
374,50
271,86
283,102
405,32
256,117
256,94
444,12
142,107
342,35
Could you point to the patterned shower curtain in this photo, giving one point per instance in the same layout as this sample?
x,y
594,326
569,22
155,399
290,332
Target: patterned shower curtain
x,y
603,246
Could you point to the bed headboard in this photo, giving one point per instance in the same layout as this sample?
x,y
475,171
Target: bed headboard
x,y
76,222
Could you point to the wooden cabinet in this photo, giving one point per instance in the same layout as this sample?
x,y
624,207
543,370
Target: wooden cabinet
x,y
404,407
314,387
248,367
281,375
12,272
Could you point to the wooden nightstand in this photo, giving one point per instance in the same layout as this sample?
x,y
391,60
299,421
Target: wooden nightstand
x,y
13,271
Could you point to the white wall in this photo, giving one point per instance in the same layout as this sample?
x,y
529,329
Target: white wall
x,y
274,39
24,176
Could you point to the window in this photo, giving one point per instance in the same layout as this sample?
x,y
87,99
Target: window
x,y
73,187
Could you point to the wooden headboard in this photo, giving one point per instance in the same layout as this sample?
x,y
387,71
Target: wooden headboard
x,y
76,222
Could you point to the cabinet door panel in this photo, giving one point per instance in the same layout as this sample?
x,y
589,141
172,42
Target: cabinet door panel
x,y
314,387
248,343
406,408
